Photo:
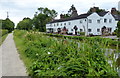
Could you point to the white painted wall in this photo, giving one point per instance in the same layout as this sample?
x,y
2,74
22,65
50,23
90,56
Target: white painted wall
x,y
85,25
113,24
94,25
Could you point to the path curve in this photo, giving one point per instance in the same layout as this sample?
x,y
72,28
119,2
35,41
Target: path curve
x,y
11,63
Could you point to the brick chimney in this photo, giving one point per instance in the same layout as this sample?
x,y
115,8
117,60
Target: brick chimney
x,y
94,9
61,16
114,11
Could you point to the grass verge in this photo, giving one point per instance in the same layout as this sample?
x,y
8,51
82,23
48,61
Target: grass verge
x,y
3,38
21,48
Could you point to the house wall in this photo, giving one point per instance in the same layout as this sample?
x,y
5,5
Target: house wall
x,y
85,24
94,25
113,24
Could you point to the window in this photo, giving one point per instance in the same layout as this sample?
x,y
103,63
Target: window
x,y
71,29
105,20
90,21
57,24
110,20
69,23
109,29
98,21
81,30
89,30
98,30
64,23
61,24
54,24
80,21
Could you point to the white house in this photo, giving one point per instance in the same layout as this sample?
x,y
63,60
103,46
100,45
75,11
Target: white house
x,y
90,23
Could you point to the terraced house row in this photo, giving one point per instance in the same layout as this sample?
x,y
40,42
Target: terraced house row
x,y
91,23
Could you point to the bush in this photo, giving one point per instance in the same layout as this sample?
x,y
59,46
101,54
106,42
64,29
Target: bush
x,y
82,33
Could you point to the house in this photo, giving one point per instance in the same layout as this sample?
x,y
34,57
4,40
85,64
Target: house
x,y
101,23
90,23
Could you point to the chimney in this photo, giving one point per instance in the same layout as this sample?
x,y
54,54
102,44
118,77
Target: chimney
x,y
114,11
61,16
94,9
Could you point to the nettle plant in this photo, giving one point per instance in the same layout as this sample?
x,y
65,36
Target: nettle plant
x,y
65,57
53,56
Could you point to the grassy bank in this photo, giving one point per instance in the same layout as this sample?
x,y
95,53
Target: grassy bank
x,y
50,56
3,35
19,41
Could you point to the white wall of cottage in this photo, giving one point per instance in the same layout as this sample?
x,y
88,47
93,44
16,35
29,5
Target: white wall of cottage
x,y
86,24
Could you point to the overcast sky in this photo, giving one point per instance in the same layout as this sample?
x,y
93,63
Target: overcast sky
x,y
18,9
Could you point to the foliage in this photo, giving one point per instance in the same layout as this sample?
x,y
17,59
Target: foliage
x,y
66,15
108,41
118,29
40,21
3,35
8,25
97,10
65,57
42,17
118,12
82,33
3,32
25,24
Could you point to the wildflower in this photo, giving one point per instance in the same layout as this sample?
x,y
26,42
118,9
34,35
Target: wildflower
x,y
78,44
37,54
59,67
49,52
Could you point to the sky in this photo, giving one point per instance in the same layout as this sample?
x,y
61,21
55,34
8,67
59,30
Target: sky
x,y
18,9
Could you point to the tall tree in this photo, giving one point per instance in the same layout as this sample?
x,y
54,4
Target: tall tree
x,y
95,9
8,24
43,16
25,24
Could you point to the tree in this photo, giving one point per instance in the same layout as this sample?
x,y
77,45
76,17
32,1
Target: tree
x,y
118,12
95,9
40,21
25,24
118,29
43,16
8,24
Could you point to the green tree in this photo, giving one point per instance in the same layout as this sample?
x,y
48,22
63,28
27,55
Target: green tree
x,y
97,9
43,16
25,24
39,22
8,24
118,29
118,12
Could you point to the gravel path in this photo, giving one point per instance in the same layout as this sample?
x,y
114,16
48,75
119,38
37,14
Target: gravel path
x,y
11,63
